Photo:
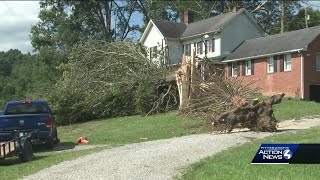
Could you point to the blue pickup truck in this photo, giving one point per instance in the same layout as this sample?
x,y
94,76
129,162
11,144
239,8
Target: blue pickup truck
x,y
29,116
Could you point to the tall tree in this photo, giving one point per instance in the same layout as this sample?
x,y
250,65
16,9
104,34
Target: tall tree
x,y
267,13
299,20
65,23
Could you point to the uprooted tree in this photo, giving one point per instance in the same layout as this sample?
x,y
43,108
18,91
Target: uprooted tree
x,y
255,115
107,79
224,102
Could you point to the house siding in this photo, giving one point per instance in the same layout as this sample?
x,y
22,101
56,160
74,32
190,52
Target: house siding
x,y
311,75
154,38
288,82
238,30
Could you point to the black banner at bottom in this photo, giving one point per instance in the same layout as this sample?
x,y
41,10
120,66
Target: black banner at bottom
x,y
287,154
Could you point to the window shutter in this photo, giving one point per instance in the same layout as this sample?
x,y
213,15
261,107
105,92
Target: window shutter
x,y
206,47
183,49
238,68
243,68
213,45
201,47
275,60
281,63
252,66
267,64
229,70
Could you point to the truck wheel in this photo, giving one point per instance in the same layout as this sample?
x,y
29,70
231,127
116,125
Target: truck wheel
x,y
56,140
53,139
27,152
50,143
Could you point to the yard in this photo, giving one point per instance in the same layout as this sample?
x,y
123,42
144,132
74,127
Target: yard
x,y
234,163
108,132
134,129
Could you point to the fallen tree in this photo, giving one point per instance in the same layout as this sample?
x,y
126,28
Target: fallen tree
x,y
256,115
108,79
224,102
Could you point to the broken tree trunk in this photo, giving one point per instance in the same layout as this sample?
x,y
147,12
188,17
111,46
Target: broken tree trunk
x,y
185,78
257,116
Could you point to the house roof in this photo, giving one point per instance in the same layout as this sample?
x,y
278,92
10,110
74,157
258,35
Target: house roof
x,y
269,45
170,29
180,30
209,25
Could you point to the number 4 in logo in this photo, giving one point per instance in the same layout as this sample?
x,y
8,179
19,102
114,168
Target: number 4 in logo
x,y
287,154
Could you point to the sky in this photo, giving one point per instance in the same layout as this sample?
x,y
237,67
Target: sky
x,y
17,17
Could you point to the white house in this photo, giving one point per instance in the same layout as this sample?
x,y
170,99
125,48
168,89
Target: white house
x,y
215,37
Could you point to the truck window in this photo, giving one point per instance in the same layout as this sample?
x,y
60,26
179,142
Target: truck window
x,y
26,109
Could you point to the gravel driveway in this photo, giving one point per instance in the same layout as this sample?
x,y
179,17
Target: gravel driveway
x,y
161,159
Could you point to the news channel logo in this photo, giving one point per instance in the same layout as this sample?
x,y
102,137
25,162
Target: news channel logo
x,y
274,153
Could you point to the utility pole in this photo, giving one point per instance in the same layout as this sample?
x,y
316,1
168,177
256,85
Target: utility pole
x,y
306,16
282,17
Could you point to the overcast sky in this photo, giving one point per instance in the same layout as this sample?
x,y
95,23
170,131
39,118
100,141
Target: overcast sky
x,y
17,17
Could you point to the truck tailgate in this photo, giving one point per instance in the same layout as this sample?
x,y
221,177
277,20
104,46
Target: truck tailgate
x,y
21,122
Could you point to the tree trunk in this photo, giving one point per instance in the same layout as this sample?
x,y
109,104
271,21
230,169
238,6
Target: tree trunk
x,y
257,116
282,16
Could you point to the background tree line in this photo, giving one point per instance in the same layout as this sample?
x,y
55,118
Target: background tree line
x,y
87,64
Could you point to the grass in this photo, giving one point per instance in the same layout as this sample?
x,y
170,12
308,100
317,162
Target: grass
x,y
134,129
109,132
234,163
293,108
296,109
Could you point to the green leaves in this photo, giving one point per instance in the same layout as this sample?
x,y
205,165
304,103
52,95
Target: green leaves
x,y
105,79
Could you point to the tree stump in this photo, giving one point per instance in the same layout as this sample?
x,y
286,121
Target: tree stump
x,y
257,116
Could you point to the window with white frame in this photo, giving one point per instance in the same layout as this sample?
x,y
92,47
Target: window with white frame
x,y
234,69
318,62
248,67
187,49
210,45
270,66
153,52
287,62
199,47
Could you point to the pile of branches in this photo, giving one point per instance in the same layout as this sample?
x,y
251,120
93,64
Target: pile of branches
x,y
229,102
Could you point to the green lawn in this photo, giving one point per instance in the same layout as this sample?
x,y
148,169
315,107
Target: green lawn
x,y
295,109
132,129
234,163
110,132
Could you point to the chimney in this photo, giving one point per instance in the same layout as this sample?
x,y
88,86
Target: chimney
x,y
235,9
187,17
